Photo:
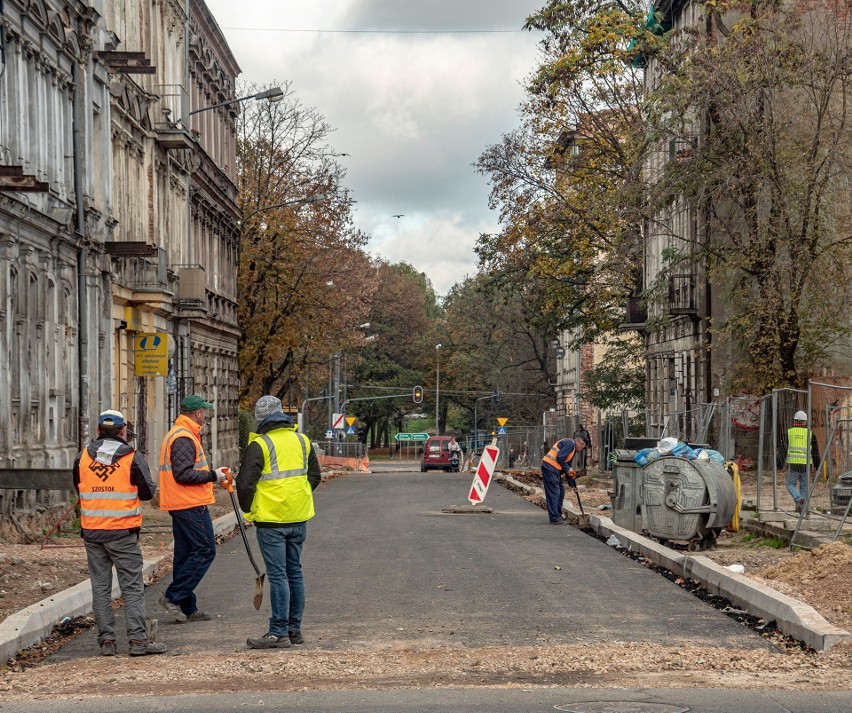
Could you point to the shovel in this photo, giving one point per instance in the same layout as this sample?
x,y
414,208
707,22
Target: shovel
x,y
583,519
261,576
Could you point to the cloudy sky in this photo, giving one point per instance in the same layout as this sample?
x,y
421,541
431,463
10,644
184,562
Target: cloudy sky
x,y
415,90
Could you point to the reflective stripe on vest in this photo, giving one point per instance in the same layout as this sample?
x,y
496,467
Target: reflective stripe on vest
x,y
108,500
550,458
180,496
282,494
274,473
797,446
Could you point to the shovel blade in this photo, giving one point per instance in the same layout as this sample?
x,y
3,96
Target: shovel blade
x,y
258,591
583,522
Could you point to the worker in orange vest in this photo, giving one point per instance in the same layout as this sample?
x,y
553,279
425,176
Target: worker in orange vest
x,y
186,491
556,462
111,479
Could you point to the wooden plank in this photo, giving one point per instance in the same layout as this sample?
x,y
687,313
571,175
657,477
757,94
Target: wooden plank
x,y
36,479
129,248
23,184
11,170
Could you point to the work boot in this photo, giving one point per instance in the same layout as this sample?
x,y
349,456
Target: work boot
x,y
172,608
199,615
296,637
559,522
269,641
143,648
108,648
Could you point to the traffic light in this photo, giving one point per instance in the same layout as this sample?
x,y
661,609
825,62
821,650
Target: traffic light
x,y
418,394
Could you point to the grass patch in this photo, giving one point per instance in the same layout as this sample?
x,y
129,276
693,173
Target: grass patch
x,y
776,543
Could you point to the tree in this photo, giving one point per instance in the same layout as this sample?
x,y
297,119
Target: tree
x,y
494,342
304,279
401,319
761,109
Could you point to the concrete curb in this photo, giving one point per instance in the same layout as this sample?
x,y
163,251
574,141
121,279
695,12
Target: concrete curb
x,y
32,625
793,618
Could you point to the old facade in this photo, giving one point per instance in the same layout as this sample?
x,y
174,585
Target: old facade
x,y
113,200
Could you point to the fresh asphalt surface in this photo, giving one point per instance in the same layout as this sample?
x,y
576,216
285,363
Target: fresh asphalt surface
x,y
383,564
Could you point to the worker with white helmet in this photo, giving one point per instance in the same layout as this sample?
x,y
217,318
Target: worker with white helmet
x,y
802,451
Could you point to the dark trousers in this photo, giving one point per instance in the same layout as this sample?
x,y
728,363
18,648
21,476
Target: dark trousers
x,y
554,492
195,549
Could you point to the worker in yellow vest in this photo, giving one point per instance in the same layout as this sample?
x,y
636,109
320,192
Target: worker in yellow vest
x,y
279,472
802,452
112,479
186,492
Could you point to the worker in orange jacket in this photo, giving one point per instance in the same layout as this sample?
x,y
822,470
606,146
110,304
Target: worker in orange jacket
x,y
186,492
111,479
556,462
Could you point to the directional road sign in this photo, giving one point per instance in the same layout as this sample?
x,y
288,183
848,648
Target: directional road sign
x,y
412,436
482,477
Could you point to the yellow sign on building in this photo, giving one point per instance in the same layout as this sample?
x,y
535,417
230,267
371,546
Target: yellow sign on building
x,y
152,354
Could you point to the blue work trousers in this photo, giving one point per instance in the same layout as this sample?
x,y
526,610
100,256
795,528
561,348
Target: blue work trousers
x,y
281,548
554,491
195,549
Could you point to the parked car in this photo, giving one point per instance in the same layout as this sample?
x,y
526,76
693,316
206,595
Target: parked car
x,y
436,455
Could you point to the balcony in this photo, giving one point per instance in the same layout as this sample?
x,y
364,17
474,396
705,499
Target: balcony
x,y
637,315
142,268
191,298
682,298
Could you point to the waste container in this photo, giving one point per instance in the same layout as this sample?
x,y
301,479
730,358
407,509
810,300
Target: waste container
x,y
627,493
686,501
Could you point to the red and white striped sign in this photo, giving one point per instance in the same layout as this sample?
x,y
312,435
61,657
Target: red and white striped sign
x,y
484,471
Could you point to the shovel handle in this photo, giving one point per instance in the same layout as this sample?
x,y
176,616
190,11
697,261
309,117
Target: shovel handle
x,y
229,485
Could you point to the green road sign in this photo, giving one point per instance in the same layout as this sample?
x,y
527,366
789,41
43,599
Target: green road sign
x,y
412,436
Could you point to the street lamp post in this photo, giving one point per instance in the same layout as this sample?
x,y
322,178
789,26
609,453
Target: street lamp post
x,y
437,388
275,94
318,198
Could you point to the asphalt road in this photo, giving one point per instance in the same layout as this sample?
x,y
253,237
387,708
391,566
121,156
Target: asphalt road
x,y
385,567
383,564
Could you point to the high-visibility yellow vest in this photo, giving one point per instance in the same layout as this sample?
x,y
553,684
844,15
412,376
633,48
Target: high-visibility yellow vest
x,y
797,446
108,500
180,496
283,492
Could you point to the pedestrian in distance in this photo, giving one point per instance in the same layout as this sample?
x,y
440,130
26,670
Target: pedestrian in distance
x,y
800,457
556,462
583,456
112,479
278,475
186,492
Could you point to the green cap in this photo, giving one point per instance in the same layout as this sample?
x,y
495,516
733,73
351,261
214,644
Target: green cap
x,y
193,403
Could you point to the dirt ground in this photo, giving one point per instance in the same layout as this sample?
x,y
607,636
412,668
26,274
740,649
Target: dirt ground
x,y
821,578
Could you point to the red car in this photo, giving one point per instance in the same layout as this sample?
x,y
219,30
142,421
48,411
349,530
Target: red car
x,y
436,455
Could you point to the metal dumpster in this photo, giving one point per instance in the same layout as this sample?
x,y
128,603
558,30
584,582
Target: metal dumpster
x,y
627,494
686,501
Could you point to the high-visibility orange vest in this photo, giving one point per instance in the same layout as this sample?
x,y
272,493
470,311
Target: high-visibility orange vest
x,y
550,458
108,500
174,495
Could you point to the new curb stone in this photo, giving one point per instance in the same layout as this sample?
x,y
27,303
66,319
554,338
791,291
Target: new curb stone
x,y
794,618
32,625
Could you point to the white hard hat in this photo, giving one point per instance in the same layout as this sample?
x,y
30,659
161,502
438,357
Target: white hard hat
x,y
800,416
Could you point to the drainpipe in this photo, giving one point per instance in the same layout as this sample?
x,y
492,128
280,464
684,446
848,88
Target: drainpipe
x,y
82,258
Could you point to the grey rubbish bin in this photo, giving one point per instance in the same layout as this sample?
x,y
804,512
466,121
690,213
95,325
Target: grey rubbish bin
x,y
627,494
686,501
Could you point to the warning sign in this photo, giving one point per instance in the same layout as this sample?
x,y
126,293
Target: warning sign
x,y
350,420
484,471
502,421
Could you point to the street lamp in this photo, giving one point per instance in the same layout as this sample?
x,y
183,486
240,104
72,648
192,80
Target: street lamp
x,y
318,198
437,387
276,94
